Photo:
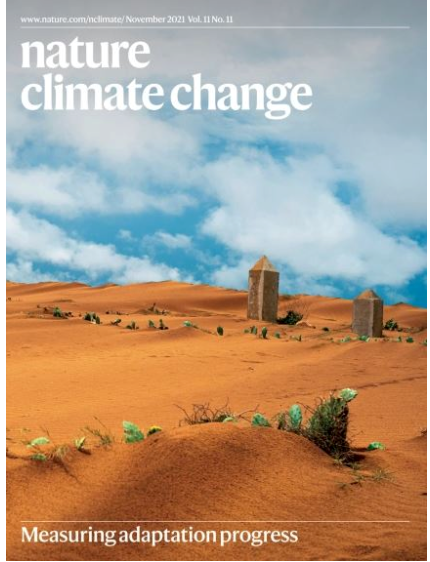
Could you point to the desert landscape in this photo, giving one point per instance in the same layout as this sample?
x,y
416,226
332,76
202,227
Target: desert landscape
x,y
69,378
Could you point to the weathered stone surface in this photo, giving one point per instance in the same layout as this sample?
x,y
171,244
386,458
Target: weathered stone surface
x,y
367,314
263,286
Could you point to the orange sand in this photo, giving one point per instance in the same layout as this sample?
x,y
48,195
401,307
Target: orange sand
x,y
62,373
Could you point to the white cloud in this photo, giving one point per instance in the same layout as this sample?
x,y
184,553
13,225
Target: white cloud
x,y
289,211
37,240
70,192
23,271
172,241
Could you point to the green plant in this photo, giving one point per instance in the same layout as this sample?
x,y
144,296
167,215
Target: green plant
x,y
391,325
54,453
409,340
92,317
346,339
364,338
103,435
246,331
328,424
295,417
291,318
162,325
57,312
151,324
254,330
277,335
220,330
132,433
424,343
264,332
260,420
132,326
36,445
153,429
376,445
116,322
189,324
80,444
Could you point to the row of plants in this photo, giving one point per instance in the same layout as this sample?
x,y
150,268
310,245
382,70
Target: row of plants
x,y
325,425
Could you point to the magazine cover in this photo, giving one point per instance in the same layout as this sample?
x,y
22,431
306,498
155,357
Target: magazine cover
x,y
216,280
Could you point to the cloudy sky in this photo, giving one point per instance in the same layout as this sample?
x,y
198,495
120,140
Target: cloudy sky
x,y
335,196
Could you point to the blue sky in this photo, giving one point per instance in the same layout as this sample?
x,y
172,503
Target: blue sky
x,y
335,196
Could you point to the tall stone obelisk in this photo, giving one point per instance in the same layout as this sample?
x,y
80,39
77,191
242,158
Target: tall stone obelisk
x,y
367,314
263,286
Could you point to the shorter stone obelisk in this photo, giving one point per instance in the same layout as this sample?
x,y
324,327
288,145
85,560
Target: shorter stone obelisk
x,y
367,314
263,287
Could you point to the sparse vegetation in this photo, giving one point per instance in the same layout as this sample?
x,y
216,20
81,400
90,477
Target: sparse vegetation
x,y
376,445
220,330
410,339
103,436
260,420
264,333
116,322
92,317
391,325
162,325
132,326
291,318
205,413
277,335
132,433
327,424
80,445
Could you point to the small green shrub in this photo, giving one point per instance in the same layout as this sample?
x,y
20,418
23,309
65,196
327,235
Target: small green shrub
x,y
57,313
409,340
277,335
391,325
162,325
264,332
132,326
376,445
291,318
254,330
132,433
327,425
151,324
220,330
92,317
116,322
260,420
364,338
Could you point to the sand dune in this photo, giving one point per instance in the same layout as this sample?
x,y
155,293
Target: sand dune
x,y
62,372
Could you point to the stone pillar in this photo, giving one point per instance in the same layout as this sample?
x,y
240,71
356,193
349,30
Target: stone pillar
x,y
367,314
263,285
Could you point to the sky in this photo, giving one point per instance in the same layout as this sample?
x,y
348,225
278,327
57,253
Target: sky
x,y
335,196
